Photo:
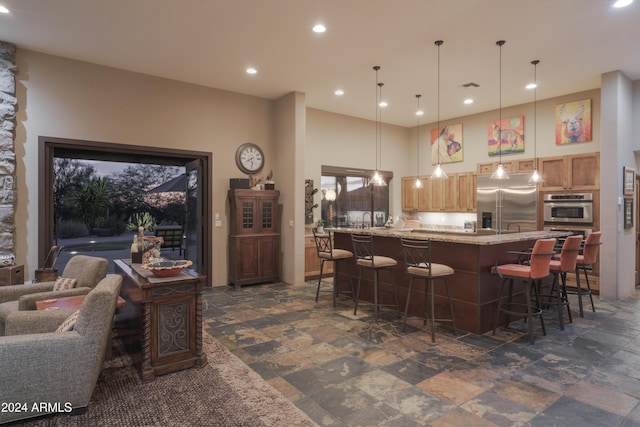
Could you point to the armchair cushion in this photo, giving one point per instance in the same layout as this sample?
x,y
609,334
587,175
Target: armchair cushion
x,y
69,322
63,283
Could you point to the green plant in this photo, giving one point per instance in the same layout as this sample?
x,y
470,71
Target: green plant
x,y
320,222
143,219
72,229
90,203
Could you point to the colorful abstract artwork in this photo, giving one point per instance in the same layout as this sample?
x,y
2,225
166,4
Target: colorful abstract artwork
x,y
573,122
512,138
446,144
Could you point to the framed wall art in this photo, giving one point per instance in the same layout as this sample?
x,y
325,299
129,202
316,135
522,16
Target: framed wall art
x,y
573,122
446,144
628,181
512,138
628,212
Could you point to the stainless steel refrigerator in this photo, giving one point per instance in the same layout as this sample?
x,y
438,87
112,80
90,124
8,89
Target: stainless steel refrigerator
x,y
507,205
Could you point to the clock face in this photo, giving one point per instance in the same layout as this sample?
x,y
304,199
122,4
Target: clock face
x,y
249,158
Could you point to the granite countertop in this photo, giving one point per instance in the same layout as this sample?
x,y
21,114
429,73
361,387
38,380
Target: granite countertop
x,y
455,237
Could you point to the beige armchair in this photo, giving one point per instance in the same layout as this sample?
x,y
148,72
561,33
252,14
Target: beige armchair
x,y
87,270
47,366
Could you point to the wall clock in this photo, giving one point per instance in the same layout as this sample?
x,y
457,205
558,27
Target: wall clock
x,y
249,158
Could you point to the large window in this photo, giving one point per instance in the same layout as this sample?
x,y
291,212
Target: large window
x,y
357,202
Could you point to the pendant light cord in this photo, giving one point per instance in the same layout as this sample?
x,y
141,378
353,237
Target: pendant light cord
x,y
380,108
438,43
418,143
535,112
500,43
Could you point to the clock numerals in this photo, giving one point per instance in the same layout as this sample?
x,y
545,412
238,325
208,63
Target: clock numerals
x,y
249,158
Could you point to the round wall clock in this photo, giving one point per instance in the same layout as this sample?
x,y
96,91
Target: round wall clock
x,y
250,158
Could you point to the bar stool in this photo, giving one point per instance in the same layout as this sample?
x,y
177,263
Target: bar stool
x,y
534,270
586,259
417,255
326,252
365,259
559,267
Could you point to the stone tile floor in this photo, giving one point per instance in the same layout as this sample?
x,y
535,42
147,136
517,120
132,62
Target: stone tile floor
x,y
346,370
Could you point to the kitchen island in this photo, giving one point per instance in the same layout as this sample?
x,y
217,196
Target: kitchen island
x,y
474,290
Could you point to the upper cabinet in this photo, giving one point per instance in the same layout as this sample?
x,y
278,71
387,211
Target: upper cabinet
x,y
455,194
571,172
510,166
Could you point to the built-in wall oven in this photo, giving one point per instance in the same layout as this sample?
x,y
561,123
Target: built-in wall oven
x,y
574,208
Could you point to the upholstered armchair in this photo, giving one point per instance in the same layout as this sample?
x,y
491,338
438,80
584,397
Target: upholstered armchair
x,y
87,270
42,365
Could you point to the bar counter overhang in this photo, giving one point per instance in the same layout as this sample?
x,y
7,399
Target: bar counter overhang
x,y
474,290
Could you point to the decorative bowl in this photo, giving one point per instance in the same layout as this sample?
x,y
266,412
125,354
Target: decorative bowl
x,y
167,268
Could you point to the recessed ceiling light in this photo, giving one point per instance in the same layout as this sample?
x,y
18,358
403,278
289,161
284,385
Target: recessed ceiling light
x,y
4,9
339,92
468,101
531,86
622,3
319,28
383,103
419,113
252,70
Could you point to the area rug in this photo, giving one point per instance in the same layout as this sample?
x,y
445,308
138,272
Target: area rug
x,y
225,392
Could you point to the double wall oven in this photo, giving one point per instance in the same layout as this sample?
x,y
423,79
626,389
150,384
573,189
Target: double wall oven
x,y
568,212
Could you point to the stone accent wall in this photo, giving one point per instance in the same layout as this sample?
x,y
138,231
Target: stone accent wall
x,y
8,103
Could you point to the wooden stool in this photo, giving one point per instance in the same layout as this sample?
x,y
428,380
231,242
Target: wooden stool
x,y
586,259
559,268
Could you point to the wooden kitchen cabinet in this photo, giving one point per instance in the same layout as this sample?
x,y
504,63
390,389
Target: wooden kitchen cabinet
x,y
415,199
444,194
467,189
572,172
489,168
254,237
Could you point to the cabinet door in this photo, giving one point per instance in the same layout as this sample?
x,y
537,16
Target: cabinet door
x,y
423,195
268,254
247,258
437,194
246,219
467,188
451,194
409,194
584,171
267,215
554,172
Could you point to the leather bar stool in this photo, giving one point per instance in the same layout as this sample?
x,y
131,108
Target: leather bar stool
x,y
559,267
326,252
534,269
417,255
366,260
586,259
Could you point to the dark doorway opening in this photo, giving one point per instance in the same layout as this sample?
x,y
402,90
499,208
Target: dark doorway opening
x,y
197,177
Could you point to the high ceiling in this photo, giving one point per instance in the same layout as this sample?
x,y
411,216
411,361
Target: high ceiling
x,y
212,42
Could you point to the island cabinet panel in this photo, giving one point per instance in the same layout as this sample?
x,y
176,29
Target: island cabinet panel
x,y
254,237
474,290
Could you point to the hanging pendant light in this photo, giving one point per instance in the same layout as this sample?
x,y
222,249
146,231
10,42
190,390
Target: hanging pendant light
x,y
418,183
500,172
377,179
438,173
535,176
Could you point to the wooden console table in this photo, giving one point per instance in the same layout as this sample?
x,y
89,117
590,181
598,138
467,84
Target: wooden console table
x,y
161,323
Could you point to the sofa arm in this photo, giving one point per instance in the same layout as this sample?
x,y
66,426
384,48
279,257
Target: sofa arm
x,y
35,322
14,292
28,302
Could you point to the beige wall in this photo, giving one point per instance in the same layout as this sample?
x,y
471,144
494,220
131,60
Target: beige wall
x,y
70,99
475,134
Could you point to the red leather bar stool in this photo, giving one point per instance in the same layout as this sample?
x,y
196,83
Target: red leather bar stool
x,y
366,260
417,255
326,252
586,259
531,270
559,267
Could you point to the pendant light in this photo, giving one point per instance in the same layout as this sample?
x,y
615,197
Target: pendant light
x,y
438,173
418,183
535,176
500,172
377,177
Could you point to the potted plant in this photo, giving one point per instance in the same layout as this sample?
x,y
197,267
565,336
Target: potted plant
x,y
320,226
